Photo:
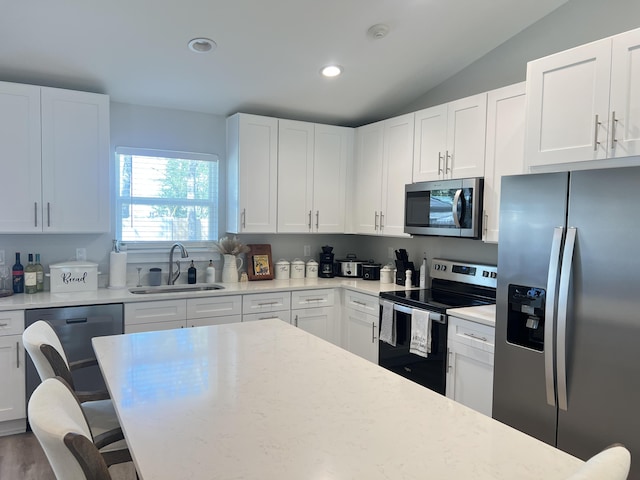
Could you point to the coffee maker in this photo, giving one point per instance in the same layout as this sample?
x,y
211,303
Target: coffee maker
x,y
326,266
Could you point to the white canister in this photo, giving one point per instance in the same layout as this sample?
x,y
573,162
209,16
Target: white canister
x,y
387,274
312,269
282,269
297,268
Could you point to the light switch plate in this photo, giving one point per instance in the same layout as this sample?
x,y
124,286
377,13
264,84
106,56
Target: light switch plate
x,y
81,254
307,250
390,254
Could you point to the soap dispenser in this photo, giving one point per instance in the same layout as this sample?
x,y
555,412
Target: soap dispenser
x,y
191,273
211,273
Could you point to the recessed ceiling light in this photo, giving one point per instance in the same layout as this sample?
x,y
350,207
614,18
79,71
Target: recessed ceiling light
x,y
202,45
331,71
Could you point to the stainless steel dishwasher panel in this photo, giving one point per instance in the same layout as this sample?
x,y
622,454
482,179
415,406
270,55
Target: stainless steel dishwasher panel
x,y
76,326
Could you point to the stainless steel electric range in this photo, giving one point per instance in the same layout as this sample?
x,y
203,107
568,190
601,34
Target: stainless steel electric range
x,y
453,284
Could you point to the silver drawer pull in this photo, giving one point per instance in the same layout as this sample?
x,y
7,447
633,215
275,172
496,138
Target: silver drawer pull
x,y
267,303
359,303
269,318
4,324
314,299
483,339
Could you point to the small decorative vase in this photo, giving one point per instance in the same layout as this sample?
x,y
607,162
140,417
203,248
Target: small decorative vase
x,y
230,268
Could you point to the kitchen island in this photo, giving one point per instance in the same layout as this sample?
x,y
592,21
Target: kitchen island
x,y
267,400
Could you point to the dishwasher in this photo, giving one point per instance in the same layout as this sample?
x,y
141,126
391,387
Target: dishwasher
x,y
76,326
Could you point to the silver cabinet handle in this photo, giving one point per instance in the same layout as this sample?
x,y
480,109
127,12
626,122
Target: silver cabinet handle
x,y
309,220
454,207
18,354
373,332
381,220
550,313
35,214
475,337
440,163
295,321
244,218
308,300
269,318
376,220
359,303
4,324
317,219
485,219
447,167
614,123
563,304
267,303
595,135
48,214
449,366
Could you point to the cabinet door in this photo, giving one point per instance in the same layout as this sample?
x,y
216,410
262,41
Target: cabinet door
x,y
20,140
295,176
466,128
226,305
207,321
470,377
568,105
368,177
360,334
158,315
153,326
266,302
625,95
430,143
398,164
284,315
505,150
252,173
75,161
333,151
317,321
12,378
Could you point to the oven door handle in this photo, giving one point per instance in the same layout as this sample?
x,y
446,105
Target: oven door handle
x,y
433,316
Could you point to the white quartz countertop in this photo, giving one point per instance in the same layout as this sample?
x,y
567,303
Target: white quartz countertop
x,y
485,314
105,295
267,400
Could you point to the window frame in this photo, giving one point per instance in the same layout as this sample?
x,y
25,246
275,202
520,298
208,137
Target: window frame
x,y
161,246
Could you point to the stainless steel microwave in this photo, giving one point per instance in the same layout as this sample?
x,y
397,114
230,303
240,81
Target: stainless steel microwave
x,y
450,208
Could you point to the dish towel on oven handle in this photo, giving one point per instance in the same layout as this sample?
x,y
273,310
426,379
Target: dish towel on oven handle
x,y
420,333
388,323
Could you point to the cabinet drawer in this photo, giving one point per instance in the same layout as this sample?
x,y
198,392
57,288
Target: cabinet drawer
x,y
266,302
12,322
312,298
148,312
214,306
284,315
473,334
363,303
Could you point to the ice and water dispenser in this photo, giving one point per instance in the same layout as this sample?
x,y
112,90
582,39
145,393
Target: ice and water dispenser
x,y
525,323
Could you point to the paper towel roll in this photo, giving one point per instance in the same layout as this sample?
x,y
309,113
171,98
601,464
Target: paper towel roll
x,y
118,270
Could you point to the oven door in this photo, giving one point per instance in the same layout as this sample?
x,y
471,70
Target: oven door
x,y
446,208
428,371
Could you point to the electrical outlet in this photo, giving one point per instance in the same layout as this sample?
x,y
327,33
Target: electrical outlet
x,y
81,254
307,250
1,257
390,254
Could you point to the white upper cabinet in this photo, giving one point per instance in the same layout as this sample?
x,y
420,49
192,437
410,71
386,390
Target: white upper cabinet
x,y
58,143
505,149
383,166
450,140
584,103
312,176
252,173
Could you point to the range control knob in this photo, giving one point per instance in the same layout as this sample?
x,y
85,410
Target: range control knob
x,y
485,273
494,274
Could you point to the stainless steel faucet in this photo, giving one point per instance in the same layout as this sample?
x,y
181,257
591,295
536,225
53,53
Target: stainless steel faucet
x,y
184,254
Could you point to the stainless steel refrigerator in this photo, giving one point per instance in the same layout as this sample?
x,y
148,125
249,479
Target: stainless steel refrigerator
x,y
567,354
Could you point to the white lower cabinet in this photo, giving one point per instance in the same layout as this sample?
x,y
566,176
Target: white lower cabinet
x,y
360,324
12,373
470,364
262,306
314,311
168,314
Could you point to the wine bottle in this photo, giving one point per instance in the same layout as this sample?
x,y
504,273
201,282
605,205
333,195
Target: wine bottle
x,y
39,274
30,277
191,273
18,275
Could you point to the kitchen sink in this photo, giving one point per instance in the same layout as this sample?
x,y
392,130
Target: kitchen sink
x,y
174,289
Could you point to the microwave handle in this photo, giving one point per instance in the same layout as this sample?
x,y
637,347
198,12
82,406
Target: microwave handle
x,y
454,207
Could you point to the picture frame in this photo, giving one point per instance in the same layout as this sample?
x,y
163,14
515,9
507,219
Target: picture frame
x,y
260,263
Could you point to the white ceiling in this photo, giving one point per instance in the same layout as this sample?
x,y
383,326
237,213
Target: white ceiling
x,y
269,51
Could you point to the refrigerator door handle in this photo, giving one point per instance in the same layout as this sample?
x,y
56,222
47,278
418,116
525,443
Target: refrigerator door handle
x,y
563,303
550,313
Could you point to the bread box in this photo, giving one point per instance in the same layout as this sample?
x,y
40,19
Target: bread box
x,y
73,276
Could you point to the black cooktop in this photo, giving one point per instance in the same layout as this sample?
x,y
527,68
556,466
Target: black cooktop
x,y
438,300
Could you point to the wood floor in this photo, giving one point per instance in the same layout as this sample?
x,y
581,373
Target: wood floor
x,y
22,458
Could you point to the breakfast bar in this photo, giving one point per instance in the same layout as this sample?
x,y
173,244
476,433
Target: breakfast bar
x,y
267,400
